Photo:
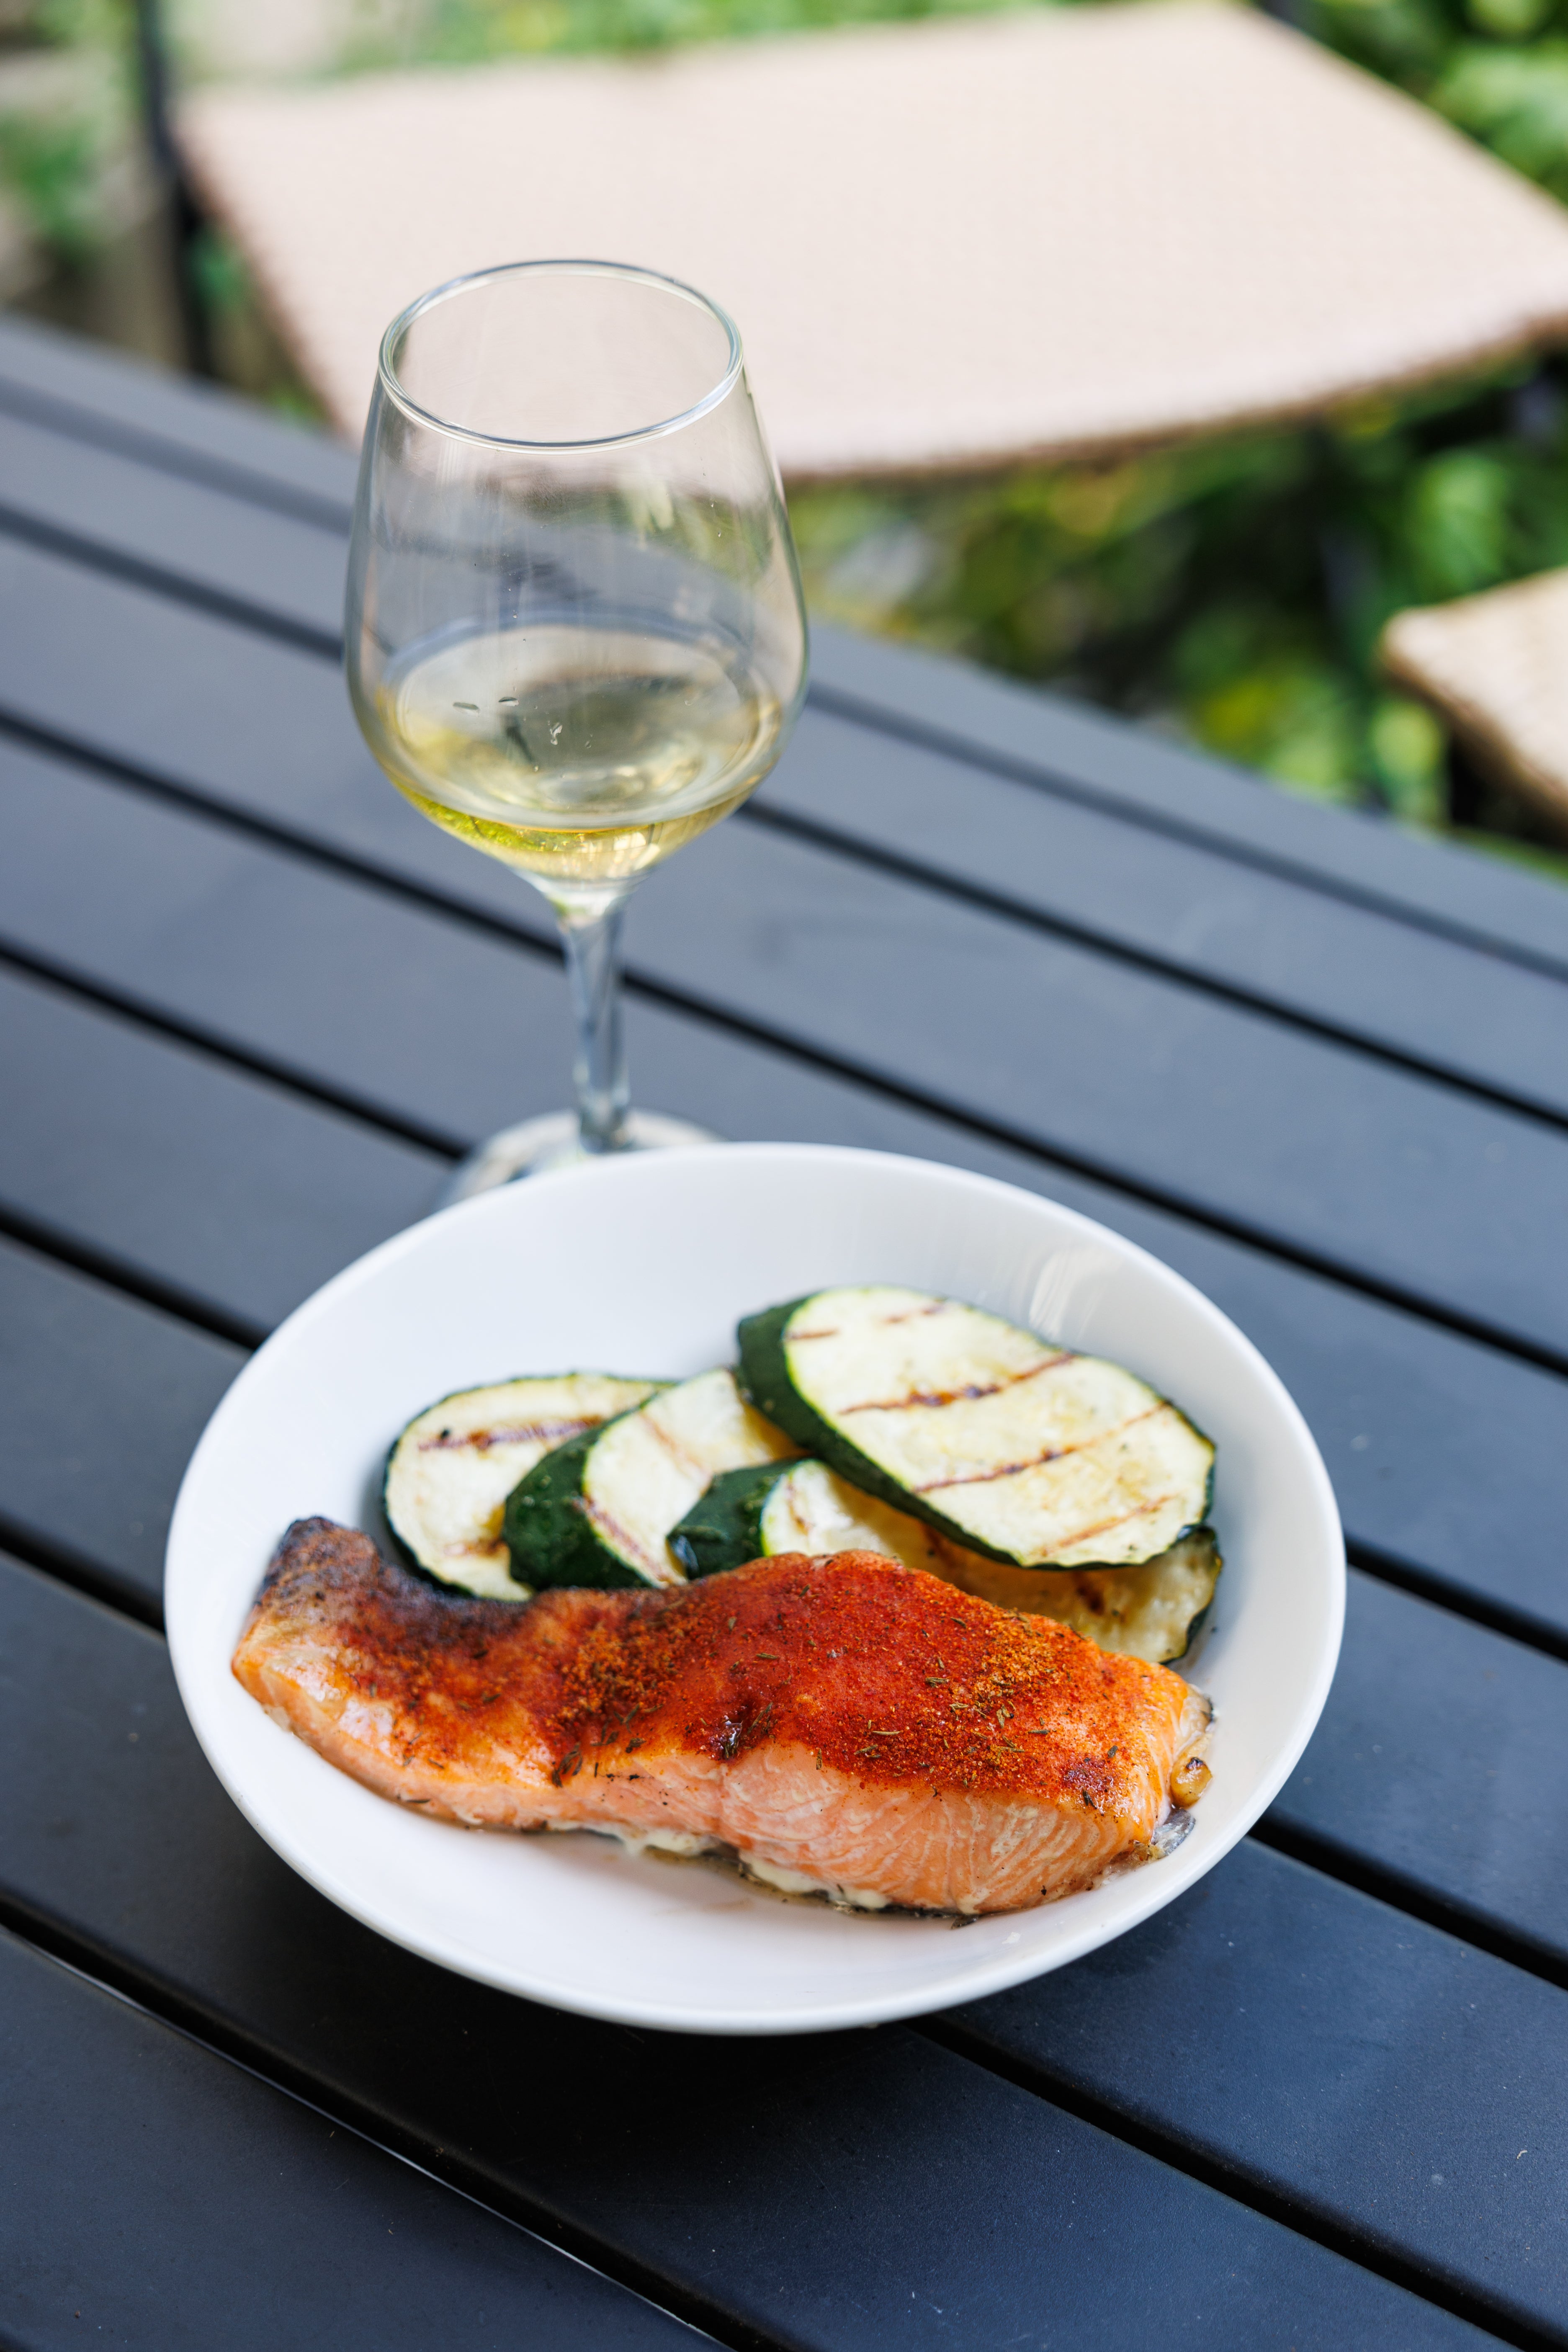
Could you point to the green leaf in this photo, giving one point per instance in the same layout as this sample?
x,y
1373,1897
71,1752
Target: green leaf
x,y
1408,748
1508,20
1516,100
1456,523
49,163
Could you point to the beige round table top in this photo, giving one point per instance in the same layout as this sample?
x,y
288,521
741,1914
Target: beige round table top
x,y
947,244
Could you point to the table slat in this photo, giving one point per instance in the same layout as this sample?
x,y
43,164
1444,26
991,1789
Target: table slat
x,y
101,1399
847,2192
1275,941
269,570
1375,2071
173,422
1441,1759
235,1194
1386,1177
1067,746
156,2195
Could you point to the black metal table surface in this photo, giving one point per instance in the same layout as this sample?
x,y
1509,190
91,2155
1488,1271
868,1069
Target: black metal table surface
x,y
1323,2101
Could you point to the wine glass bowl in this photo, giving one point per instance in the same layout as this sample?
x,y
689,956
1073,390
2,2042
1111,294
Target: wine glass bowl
x,y
576,636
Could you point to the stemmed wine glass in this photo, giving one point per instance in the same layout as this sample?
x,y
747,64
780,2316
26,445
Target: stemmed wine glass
x,y
575,628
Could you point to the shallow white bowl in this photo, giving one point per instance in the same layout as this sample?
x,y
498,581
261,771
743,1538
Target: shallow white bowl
x,y
643,1265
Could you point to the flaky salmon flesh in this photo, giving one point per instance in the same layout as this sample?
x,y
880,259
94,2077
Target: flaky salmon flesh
x,y
844,1723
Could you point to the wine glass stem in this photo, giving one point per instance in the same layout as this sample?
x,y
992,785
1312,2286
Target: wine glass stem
x,y
592,941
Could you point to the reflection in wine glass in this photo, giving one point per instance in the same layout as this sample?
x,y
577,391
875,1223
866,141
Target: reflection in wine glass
x,y
575,635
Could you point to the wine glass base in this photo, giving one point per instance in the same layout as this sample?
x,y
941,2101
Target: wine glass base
x,y
535,1145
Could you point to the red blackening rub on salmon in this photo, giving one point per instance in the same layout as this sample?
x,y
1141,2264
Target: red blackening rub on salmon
x,y
845,1723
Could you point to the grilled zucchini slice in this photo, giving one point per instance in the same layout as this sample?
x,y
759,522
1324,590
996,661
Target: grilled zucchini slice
x,y
450,1471
1147,1611
1008,1444
598,1510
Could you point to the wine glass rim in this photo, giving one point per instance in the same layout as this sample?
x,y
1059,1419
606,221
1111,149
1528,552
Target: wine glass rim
x,y
387,372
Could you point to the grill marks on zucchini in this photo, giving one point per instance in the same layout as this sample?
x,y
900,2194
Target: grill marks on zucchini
x,y
1147,1611
1020,1471
451,1469
938,1397
599,1509
1008,1444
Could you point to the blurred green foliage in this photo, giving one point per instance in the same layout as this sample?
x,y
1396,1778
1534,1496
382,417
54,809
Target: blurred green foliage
x,y
1498,68
47,162
1231,589
457,32
56,140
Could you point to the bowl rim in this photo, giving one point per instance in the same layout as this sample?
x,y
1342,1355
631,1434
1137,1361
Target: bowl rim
x,y
997,1972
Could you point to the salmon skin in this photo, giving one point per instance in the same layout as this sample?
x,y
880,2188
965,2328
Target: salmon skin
x,y
844,1724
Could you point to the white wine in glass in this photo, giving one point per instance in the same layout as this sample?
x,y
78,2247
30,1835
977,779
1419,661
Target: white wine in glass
x,y
575,635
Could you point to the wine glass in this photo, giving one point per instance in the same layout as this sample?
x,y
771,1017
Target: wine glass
x,y
574,626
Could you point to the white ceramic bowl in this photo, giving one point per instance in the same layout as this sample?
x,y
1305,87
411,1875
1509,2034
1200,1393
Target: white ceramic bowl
x,y
644,1264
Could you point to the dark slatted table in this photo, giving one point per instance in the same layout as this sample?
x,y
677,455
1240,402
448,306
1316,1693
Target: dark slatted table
x,y
1320,2103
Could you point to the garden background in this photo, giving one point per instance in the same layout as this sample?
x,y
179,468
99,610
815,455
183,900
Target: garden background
x,y
1229,591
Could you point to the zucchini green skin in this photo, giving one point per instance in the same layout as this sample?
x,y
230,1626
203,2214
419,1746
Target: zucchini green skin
x,y
424,1513
723,1527
765,1378
549,1534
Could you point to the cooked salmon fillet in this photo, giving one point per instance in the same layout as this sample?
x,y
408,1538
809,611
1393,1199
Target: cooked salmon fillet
x,y
845,1723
